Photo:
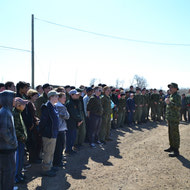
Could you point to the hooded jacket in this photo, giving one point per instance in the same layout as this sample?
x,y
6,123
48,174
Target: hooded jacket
x,y
8,140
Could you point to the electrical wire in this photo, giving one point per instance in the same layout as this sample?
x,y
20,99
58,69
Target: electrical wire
x,y
13,48
113,37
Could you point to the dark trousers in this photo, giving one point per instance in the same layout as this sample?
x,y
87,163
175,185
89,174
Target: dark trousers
x,y
71,135
130,117
33,145
184,113
19,159
7,171
60,145
94,127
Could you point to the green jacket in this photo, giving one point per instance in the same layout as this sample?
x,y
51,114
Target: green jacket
x,y
106,104
122,105
19,126
173,108
94,106
138,99
41,100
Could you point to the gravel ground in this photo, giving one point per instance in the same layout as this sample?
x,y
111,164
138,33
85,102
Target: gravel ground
x,y
134,160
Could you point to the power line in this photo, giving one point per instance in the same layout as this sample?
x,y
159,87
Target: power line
x,y
114,37
12,48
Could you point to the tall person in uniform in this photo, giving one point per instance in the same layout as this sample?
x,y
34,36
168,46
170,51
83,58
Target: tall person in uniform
x,y
173,106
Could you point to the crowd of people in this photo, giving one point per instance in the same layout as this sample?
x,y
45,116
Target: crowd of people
x,y
46,122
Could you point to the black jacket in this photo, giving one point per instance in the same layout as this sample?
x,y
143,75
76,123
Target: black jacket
x,y
8,140
73,109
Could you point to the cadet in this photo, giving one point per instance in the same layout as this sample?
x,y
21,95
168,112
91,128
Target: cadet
x,y
138,106
121,110
173,103
154,106
145,106
106,117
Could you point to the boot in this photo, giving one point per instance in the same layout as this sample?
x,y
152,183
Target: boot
x,y
170,149
174,153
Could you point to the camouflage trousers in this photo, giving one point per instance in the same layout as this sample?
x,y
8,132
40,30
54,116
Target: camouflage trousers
x,y
173,132
81,134
155,110
138,114
105,127
121,118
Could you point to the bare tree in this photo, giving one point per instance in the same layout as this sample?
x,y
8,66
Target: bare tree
x,y
139,81
92,81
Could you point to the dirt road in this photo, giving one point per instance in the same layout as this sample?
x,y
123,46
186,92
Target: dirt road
x,y
134,160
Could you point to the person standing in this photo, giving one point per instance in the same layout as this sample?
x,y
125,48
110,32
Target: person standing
x,y
49,123
95,110
61,137
121,110
42,99
173,106
138,106
183,107
130,109
73,122
8,141
21,134
106,116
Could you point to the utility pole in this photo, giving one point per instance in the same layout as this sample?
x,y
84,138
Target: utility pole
x,y
32,52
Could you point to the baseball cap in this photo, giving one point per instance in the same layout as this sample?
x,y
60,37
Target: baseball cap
x,y
74,91
20,101
52,93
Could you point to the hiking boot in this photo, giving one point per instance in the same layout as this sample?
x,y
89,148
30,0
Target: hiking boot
x,y
174,153
170,149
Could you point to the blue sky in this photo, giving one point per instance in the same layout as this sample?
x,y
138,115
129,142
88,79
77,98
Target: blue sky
x,y
64,56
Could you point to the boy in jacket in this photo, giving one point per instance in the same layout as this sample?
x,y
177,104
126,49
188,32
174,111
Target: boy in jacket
x,y
8,141
21,136
61,137
49,123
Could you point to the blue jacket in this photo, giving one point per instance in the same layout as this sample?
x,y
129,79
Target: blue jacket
x,y
49,121
8,140
130,105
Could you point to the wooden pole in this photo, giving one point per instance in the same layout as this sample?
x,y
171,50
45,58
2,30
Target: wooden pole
x,y
32,52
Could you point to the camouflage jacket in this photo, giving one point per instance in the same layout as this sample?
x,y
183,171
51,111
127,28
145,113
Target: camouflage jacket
x,y
106,104
138,99
41,100
19,126
173,108
122,105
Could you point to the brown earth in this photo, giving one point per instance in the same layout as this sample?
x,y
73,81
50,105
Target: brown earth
x,y
134,160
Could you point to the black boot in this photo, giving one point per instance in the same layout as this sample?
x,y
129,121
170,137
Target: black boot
x,y
174,153
170,149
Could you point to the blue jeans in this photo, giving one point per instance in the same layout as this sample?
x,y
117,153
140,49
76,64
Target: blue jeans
x,y
71,135
130,117
19,160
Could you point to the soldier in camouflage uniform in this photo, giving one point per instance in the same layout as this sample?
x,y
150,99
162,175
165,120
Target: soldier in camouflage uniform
x,y
173,103
188,105
138,106
106,117
121,110
145,105
155,112
161,104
